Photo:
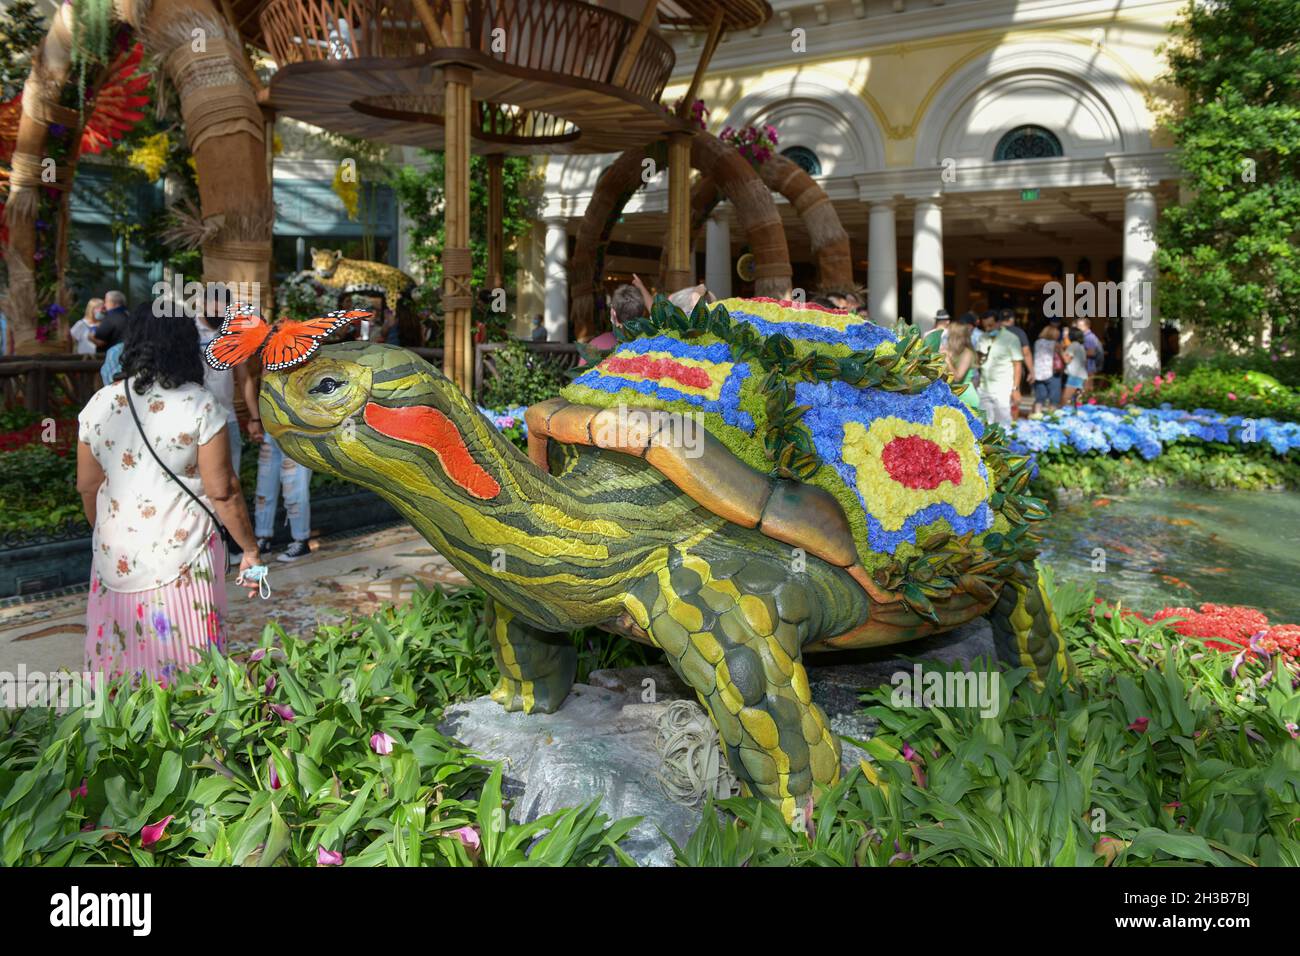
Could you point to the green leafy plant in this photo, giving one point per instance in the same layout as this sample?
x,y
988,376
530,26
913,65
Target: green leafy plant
x,y
1157,756
1227,253
298,753
521,377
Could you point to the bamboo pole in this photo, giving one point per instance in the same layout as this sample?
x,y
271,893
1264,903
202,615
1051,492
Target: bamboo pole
x,y
496,225
628,60
678,275
431,27
457,264
706,56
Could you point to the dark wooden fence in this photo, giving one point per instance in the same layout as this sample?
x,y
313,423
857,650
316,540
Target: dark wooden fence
x,y
38,383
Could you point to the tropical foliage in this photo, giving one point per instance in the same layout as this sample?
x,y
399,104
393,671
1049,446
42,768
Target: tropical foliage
x,y
325,752
1228,257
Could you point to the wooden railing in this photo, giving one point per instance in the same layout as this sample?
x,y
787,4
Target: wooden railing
x,y
35,383
565,37
32,383
563,355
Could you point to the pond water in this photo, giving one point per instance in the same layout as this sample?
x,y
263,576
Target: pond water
x,y
1182,547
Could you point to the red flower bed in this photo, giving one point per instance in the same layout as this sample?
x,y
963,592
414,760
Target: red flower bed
x,y
1228,628
65,435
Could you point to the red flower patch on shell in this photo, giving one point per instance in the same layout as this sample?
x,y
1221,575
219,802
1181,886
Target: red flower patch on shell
x,y
658,369
916,462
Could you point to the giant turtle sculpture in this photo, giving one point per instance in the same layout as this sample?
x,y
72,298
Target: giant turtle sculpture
x,y
737,487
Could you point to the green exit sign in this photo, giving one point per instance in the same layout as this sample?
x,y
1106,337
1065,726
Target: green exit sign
x,y
1028,194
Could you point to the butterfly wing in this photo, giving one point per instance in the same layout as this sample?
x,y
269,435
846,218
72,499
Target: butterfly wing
x,y
240,337
293,343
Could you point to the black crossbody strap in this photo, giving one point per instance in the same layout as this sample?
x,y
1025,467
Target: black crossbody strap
x,y
232,546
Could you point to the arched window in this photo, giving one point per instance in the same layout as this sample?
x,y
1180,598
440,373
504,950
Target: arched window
x,y
804,158
1028,142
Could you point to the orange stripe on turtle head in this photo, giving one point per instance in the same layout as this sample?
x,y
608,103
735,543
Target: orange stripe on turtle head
x,y
431,429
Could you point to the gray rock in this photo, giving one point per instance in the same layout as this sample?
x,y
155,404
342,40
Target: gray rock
x,y
601,742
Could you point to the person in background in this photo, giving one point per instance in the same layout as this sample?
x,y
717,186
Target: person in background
x,y
389,333
83,331
685,299
625,304
113,323
157,587
539,329
959,360
1007,319
935,338
972,323
223,385
1076,366
1047,381
276,473
6,339
1092,347
1001,367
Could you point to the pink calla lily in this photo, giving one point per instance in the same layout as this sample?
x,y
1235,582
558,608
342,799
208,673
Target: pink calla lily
x,y
1139,725
381,743
326,857
273,776
154,832
79,792
468,837
283,711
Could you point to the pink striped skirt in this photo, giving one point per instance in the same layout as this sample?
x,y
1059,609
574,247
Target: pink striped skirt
x,y
156,633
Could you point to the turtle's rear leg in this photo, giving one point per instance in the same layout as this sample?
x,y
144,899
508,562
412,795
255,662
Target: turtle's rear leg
x,y
1025,630
733,631
537,668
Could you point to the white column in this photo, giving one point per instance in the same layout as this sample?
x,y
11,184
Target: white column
x,y
556,315
1141,329
927,263
882,266
961,287
717,251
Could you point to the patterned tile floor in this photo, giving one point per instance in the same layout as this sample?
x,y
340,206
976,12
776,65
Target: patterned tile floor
x,y
347,575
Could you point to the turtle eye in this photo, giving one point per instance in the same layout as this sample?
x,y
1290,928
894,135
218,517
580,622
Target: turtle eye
x,y
326,386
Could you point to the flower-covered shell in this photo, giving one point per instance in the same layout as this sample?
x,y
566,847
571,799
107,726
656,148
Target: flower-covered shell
x,y
900,465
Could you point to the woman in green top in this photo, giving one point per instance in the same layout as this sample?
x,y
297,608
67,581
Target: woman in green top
x,y
960,359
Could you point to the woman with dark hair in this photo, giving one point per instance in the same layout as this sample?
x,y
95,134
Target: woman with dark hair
x,y
157,584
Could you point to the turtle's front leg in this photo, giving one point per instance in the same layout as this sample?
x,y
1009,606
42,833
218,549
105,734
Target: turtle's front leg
x,y
734,632
537,668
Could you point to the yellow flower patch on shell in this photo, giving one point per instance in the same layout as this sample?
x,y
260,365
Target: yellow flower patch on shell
x,y
889,501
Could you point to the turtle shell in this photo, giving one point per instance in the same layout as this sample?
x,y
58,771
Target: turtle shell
x,y
815,426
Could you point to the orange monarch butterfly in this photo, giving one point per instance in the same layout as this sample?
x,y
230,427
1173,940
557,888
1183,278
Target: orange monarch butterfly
x,y
244,333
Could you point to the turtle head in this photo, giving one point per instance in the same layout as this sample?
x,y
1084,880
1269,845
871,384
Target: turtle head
x,y
355,406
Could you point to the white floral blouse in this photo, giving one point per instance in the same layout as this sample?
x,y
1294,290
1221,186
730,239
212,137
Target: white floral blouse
x,y
147,530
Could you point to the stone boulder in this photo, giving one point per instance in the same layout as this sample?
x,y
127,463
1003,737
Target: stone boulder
x,y
601,742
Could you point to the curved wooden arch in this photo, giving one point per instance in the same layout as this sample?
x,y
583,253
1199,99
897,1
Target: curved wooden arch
x,y
224,127
829,240
830,243
719,164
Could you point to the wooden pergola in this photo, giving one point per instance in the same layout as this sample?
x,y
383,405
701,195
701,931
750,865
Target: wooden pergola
x,y
494,77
